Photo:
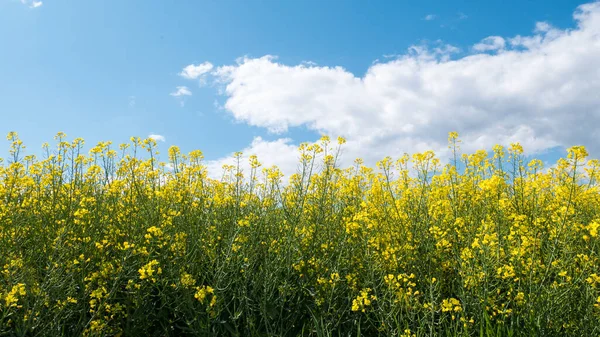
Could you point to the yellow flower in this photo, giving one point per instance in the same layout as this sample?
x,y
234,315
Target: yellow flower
x,y
187,280
519,299
593,228
203,292
12,297
451,305
147,271
362,301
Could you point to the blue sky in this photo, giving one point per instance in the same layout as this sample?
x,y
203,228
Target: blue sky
x,y
104,70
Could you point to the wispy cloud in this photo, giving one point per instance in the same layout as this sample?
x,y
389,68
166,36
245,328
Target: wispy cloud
x,y
181,91
158,138
462,16
32,3
430,17
180,94
132,101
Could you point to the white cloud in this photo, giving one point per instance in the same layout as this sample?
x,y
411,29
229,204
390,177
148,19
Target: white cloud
x,y
194,72
542,90
490,43
181,91
281,153
545,34
32,3
309,63
430,17
158,138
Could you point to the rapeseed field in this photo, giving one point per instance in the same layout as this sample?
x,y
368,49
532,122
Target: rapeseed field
x,y
112,242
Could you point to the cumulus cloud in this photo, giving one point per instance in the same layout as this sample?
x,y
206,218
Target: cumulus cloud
x,y
281,153
32,4
490,43
545,33
430,17
542,90
197,72
158,138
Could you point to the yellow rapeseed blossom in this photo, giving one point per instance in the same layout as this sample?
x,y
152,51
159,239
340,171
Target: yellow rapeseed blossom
x,y
413,245
148,271
451,304
187,280
12,297
364,300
